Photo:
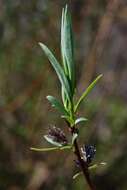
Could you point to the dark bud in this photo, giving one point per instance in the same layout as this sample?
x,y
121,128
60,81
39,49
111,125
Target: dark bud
x,y
88,153
57,135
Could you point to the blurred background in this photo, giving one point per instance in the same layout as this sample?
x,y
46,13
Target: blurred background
x,y
26,77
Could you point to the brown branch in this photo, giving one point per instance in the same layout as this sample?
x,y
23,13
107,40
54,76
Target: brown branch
x,y
83,164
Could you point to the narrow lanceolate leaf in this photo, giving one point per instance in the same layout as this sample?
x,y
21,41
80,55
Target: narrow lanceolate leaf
x,y
50,149
44,149
67,47
65,147
56,104
79,120
87,91
74,137
60,73
95,166
77,175
90,168
64,98
62,44
51,141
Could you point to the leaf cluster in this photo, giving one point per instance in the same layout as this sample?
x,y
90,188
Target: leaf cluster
x,y
66,74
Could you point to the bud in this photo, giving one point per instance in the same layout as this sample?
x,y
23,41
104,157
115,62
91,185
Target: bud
x,y
57,135
88,153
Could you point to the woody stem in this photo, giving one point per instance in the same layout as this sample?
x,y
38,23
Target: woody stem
x,y
82,163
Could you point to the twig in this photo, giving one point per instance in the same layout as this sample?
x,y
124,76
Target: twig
x,y
83,164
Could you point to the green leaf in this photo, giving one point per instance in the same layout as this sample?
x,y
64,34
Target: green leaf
x,y
50,149
60,73
65,147
67,48
51,141
64,98
93,167
44,149
77,175
74,137
62,44
90,168
79,120
87,91
97,165
58,105
103,163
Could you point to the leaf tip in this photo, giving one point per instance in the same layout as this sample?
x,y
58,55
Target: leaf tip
x,y
31,148
100,76
41,45
47,97
103,163
66,6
